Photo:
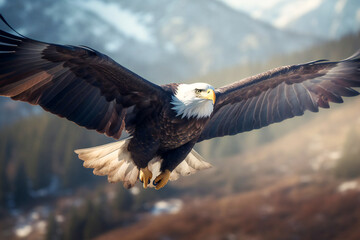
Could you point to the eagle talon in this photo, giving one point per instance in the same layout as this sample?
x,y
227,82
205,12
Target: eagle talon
x,y
161,180
144,176
143,182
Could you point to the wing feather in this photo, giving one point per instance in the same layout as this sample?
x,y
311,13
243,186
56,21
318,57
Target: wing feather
x,y
280,94
77,83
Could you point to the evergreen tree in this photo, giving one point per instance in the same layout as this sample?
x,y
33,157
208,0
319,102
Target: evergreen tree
x,y
123,200
94,223
348,165
73,227
3,177
51,229
21,189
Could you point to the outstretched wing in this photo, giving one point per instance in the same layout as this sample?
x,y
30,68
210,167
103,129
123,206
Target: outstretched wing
x,y
77,83
281,93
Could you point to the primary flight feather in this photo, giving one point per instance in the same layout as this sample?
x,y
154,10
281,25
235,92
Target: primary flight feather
x,y
163,122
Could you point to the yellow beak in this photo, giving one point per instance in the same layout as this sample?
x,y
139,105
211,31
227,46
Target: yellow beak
x,y
210,94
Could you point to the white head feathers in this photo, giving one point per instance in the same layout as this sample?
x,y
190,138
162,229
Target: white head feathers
x,y
189,101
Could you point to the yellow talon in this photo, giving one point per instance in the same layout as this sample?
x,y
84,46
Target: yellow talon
x,y
145,176
161,180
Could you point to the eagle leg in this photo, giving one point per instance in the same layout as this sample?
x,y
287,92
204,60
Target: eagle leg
x,y
161,180
145,176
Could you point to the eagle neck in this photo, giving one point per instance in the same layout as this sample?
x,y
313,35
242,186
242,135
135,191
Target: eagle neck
x,y
188,106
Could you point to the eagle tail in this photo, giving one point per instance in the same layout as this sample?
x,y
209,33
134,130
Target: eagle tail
x,y
113,160
191,164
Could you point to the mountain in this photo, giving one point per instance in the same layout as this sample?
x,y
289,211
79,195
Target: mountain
x,y
164,41
326,19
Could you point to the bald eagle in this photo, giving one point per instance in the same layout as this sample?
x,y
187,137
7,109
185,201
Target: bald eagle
x,y
163,122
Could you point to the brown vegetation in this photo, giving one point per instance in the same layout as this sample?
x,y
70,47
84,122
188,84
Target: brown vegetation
x,y
293,210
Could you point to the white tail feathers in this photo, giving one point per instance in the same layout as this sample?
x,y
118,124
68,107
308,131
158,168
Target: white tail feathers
x,y
114,160
191,164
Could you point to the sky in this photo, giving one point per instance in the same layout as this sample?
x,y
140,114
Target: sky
x,y
290,11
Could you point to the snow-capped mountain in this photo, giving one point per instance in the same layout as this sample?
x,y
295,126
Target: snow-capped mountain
x,y
163,40
327,19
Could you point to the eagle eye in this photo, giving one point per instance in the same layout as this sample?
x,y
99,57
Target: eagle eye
x,y
197,90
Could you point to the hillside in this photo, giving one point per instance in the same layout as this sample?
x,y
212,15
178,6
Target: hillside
x,y
285,189
38,152
295,209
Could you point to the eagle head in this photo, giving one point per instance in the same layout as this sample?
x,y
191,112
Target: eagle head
x,y
194,100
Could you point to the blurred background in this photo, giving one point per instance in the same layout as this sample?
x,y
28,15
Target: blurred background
x,y
298,179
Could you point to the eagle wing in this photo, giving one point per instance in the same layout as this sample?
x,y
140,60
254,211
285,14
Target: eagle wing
x,y
77,83
281,93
